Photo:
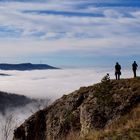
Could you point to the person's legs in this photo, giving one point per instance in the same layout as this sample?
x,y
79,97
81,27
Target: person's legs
x,y
116,76
134,73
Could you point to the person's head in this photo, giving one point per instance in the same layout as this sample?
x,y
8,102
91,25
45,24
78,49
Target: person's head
x,y
134,61
117,63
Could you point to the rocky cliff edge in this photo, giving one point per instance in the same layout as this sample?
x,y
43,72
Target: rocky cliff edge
x,y
89,109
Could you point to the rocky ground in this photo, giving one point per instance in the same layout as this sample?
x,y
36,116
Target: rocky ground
x,y
104,111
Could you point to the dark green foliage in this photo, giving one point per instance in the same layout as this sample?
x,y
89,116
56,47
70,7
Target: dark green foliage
x,y
105,104
103,92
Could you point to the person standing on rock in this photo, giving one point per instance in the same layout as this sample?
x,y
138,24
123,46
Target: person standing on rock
x,y
117,71
134,68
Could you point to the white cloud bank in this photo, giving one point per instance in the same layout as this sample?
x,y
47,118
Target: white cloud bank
x,y
53,83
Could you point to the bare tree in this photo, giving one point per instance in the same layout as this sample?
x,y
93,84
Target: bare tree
x,y
8,125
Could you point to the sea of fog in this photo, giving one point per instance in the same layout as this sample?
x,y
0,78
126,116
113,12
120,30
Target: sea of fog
x,y
53,83
46,84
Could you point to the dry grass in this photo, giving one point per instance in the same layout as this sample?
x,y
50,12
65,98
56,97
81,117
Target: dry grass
x,y
125,128
130,120
72,136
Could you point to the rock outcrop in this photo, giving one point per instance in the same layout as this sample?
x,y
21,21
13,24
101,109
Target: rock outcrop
x,y
87,109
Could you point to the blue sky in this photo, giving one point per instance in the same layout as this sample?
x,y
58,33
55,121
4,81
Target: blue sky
x,y
69,33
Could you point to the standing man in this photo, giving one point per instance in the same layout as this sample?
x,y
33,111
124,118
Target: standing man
x,y
117,71
134,68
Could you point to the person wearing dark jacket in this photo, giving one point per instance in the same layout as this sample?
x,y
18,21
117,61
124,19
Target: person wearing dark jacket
x,y
117,71
134,68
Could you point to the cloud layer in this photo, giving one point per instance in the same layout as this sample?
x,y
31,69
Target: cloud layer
x,y
53,84
34,29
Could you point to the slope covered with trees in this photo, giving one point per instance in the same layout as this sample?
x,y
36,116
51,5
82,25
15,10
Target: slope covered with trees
x,y
12,101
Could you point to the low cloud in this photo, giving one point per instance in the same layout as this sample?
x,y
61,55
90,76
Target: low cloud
x,y
47,84
53,84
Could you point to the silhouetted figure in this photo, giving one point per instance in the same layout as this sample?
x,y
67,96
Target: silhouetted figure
x,y
134,68
117,71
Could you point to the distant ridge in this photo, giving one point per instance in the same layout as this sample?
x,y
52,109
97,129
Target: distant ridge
x,y
25,66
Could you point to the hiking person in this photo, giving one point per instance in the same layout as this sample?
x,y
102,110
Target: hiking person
x,y
106,78
117,71
134,68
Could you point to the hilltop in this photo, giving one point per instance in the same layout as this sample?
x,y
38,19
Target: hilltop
x,y
12,101
110,110
25,66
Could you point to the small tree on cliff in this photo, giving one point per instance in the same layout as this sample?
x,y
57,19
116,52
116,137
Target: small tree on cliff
x,y
8,125
103,91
